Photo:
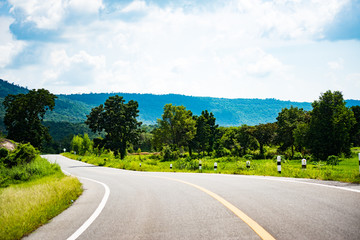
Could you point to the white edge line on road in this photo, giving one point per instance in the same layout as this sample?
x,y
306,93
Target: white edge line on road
x,y
97,212
309,183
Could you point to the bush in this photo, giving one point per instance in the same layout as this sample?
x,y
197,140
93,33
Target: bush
x,y
221,152
168,154
333,160
24,153
297,156
25,172
187,163
3,153
248,157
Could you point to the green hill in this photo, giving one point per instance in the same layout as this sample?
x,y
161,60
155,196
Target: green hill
x,y
228,112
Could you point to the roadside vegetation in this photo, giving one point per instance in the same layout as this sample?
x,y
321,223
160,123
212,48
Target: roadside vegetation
x,y
32,190
346,170
325,137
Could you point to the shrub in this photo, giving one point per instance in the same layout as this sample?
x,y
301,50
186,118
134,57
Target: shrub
x,y
24,153
297,156
221,152
168,154
333,160
248,157
3,153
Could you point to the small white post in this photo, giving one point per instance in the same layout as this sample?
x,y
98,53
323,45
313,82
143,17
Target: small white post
x,y
140,164
279,164
64,149
200,165
170,165
215,166
248,164
303,163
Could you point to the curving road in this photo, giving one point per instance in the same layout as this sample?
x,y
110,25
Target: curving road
x,y
145,205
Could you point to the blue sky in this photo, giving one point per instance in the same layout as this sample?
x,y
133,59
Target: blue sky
x,y
284,49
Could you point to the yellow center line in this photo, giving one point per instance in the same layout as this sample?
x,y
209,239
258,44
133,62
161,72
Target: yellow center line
x,y
251,223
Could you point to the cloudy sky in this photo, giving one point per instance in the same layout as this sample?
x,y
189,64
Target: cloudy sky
x,y
283,49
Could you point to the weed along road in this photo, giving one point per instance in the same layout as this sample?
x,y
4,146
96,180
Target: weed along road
x,y
119,204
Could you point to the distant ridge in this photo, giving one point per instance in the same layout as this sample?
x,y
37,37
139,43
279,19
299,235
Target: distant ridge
x,y
228,112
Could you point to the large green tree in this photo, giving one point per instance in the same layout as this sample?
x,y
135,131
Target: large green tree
x,y
24,116
238,139
264,134
118,120
288,121
206,131
176,128
355,131
330,125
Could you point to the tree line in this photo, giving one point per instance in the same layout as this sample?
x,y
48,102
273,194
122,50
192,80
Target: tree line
x,y
330,128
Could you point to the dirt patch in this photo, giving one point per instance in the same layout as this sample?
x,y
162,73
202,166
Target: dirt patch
x,y
4,143
145,153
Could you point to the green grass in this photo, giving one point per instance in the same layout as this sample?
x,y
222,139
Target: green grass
x,y
24,207
36,169
346,171
31,193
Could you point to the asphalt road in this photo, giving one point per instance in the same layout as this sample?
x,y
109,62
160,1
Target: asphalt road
x,y
144,205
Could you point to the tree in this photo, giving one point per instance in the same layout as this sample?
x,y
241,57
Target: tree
x,y
355,131
24,116
330,125
118,120
176,128
245,139
77,144
86,144
237,139
206,131
264,134
288,121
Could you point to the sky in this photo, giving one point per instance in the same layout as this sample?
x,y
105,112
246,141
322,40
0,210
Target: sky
x,y
284,49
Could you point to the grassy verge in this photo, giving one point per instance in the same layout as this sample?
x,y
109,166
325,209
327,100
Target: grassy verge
x,y
36,169
346,171
24,207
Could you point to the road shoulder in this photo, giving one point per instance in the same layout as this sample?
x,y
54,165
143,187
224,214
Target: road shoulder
x,y
66,223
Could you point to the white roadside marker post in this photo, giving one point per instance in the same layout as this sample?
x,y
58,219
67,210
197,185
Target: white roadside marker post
x,y
200,165
215,166
140,164
170,165
279,164
64,149
248,164
303,163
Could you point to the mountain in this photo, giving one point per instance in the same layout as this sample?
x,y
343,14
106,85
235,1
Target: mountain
x,y
228,112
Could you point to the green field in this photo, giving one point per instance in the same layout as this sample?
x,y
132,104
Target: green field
x,y
346,171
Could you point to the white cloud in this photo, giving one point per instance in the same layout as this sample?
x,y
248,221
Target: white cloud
x,y
79,69
9,47
50,14
230,51
337,65
45,14
87,6
135,6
